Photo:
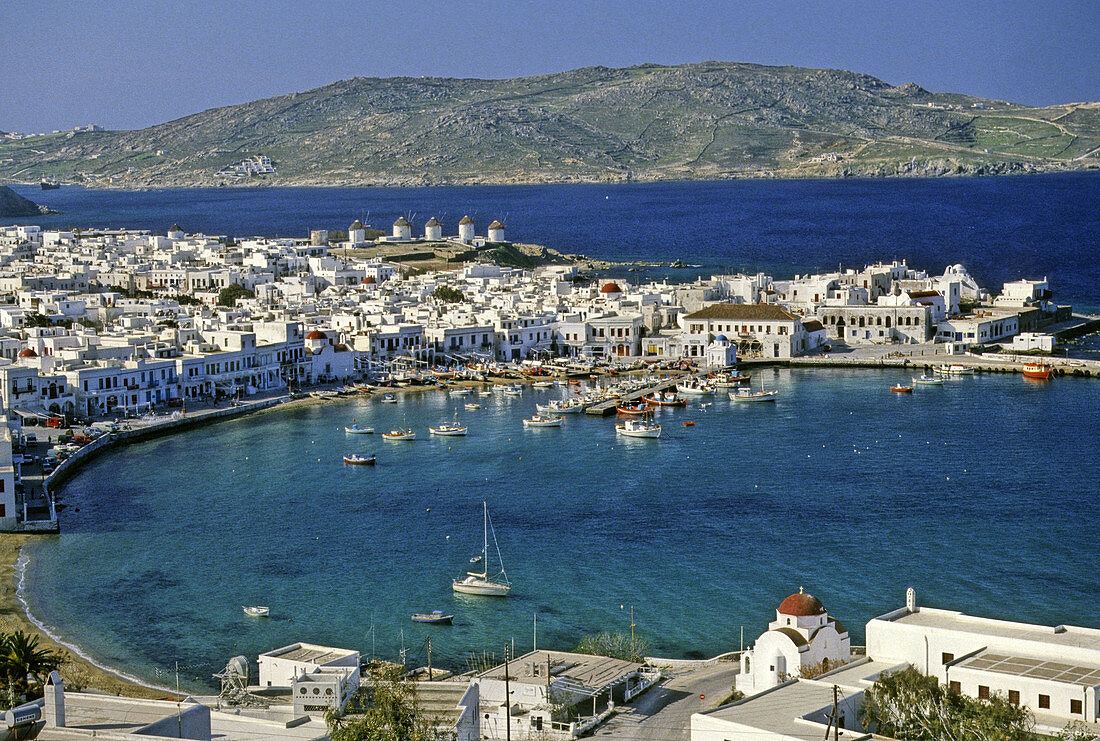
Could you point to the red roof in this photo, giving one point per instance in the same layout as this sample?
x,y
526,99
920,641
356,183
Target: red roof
x,y
316,335
801,604
28,353
369,279
611,288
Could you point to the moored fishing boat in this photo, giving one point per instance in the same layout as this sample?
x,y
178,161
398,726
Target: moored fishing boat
x,y
389,399
357,430
694,389
400,433
542,420
452,429
927,381
900,389
954,369
1040,371
748,395
638,428
472,405
435,617
354,459
665,399
632,409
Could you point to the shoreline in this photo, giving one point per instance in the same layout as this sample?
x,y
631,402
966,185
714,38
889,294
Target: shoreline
x,y
116,681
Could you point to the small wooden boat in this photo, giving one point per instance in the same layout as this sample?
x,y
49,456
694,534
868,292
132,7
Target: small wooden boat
x,y
955,369
902,389
256,611
449,430
632,409
435,617
542,420
389,399
927,381
472,405
354,459
689,423
1041,371
357,430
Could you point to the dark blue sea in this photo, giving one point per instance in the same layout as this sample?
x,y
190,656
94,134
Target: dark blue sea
x,y
1001,229
981,494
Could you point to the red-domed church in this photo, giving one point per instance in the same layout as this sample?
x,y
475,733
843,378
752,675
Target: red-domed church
x,y
802,635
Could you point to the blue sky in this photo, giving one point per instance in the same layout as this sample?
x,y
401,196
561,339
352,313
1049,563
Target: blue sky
x,y
132,63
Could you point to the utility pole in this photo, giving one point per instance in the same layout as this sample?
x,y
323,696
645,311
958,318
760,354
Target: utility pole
x,y
535,634
507,699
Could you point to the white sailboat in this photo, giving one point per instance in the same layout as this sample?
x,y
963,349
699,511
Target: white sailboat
x,y
478,582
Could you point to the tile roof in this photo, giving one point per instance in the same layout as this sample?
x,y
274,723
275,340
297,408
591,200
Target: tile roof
x,y
751,312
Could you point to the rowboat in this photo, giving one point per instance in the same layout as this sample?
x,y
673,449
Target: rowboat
x,y
899,389
354,459
389,399
435,617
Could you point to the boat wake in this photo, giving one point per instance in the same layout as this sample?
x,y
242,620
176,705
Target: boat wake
x,y
21,564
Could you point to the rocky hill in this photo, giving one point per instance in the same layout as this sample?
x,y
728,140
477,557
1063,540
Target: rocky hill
x,y
701,121
14,205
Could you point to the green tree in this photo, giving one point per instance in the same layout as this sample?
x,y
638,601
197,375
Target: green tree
x,y
25,664
448,295
615,645
228,296
386,710
335,236
912,707
185,299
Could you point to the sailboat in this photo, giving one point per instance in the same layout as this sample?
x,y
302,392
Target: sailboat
x,y
478,582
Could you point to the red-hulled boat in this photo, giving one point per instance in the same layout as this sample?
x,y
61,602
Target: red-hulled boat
x,y
1041,371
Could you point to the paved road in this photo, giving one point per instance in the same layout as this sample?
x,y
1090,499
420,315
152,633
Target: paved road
x,y
664,712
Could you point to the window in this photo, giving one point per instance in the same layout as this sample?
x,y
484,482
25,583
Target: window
x,y
955,687
1044,702
1014,697
3,510
1075,707
983,692
947,658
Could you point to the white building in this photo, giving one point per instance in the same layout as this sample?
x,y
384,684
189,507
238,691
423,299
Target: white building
x,y
1052,670
801,636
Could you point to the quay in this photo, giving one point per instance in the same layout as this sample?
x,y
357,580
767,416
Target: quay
x,y
605,408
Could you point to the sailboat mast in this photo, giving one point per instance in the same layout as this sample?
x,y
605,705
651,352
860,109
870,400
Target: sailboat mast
x,y
485,538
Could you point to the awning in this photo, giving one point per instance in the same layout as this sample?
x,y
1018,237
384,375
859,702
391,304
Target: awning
x,y
36,412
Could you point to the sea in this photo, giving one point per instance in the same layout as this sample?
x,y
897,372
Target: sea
x,y
980,494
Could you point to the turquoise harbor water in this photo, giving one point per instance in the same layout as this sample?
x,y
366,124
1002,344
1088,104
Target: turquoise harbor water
x,y
982,494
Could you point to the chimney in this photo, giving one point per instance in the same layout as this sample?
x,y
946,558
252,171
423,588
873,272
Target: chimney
x,y
911,599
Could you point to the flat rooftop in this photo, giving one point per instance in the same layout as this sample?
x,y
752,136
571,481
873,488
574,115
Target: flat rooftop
x,y
1087,639
782,710
594,672
308,653
1022,666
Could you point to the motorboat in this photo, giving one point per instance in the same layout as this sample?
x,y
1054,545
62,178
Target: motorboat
x,y
542,420
354,459
479,582
900,389
514,389
750,395
435,617
954,369
1041,371
927,381
665,399
357,430
632,409
561,406
638,428
256,611
472,405
389,399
